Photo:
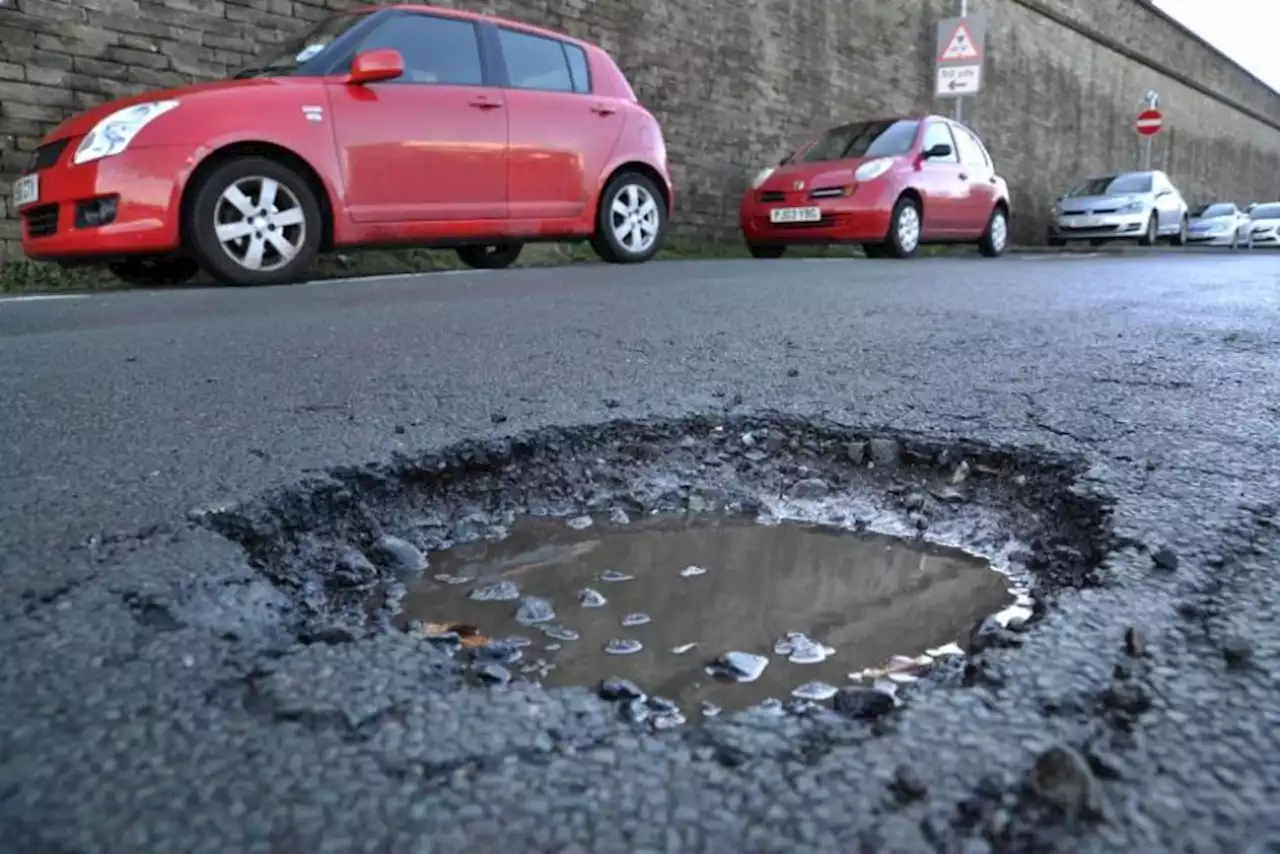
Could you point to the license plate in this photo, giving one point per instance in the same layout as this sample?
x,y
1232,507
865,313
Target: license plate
x,y
1086,222
26,190
795,215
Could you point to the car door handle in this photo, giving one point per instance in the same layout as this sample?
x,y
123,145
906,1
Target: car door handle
x,y
486,104
964,176
603,109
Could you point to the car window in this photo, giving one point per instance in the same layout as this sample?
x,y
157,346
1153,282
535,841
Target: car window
x,y
970,150
863,139
1116,185
535,62
435,50
579,70
1215,210
298,53
937,133
1266,212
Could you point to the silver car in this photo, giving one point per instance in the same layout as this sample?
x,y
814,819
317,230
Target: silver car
x,y
1142,206
1220,224
1266,224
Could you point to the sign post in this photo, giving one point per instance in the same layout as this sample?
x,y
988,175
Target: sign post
x,y
958,64
1149,123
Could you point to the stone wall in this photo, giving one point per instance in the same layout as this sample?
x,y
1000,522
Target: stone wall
x,y
737,81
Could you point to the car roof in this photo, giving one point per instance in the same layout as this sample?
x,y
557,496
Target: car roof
x,y
470,16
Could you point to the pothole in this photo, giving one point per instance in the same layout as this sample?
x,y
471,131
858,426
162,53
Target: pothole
x,y
666,602
702,537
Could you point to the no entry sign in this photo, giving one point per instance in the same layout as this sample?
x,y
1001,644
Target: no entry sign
x,y
1149,122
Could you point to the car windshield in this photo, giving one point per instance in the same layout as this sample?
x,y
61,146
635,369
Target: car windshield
x,y
863,139
1214,210
289,57
1114,185
1266,212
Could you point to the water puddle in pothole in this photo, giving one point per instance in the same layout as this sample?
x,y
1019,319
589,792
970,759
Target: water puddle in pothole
x,y
663,602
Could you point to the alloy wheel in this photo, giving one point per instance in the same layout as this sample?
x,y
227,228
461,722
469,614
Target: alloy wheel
x,y
999,231
634,218
260,223
908,228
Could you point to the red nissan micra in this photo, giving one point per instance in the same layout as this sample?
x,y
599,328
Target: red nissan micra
x,y
888,184
405,125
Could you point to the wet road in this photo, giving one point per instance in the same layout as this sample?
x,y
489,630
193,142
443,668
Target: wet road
x,y
124,410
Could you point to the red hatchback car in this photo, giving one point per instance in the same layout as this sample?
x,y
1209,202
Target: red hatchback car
x,y
398,125
888,184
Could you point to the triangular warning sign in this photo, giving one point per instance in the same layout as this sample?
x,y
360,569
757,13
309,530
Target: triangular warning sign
x,y
961,46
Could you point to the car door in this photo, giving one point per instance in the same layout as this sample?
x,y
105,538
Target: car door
x,y
980,175
431,144
561,135
946,193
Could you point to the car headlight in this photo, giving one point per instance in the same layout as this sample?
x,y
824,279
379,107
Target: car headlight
x,y
113,134
872,169
1132,207
761,177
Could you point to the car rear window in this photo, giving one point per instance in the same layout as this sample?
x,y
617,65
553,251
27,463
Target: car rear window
x,y
863,139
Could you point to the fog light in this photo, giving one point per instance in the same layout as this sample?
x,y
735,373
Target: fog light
x,y
92,213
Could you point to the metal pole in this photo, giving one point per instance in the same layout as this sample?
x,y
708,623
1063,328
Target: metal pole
x,y
964,12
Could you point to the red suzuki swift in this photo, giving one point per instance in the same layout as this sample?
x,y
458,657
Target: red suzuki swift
x,y
888,184
400,125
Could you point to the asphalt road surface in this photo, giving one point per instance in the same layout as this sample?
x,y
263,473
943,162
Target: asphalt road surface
x,y
121,411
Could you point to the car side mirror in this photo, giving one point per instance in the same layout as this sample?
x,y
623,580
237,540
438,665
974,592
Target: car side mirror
x,y
940,149
374,66
1163,193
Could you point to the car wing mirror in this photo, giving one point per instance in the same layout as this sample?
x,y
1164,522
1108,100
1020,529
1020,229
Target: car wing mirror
x,y
940,149
374,66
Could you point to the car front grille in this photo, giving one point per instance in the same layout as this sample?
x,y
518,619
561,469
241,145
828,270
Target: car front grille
x,y
47,155
773,196
42,221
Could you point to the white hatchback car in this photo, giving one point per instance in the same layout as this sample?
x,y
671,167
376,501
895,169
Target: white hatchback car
x,y
1220,224
1266,224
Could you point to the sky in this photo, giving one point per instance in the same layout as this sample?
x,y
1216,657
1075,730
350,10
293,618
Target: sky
x,y
1245,30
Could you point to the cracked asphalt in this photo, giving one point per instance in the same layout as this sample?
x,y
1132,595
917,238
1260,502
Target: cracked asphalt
x,y
126,728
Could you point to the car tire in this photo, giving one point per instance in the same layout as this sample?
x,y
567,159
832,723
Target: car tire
x,y
996,238
766,251
154,272
1180,239
903,239
1149,237
874,251
631,198
490,256
235,211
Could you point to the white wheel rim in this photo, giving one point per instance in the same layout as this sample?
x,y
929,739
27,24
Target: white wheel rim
x,y
260,224
908,228
999,231
634,218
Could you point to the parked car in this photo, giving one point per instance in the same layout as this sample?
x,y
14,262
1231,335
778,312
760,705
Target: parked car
x,y
1142,206
405,125
888,184
1220,224
1266,224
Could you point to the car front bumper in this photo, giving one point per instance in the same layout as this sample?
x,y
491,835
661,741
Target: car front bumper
x,y
1214,238
1268,238
861,215
1098,226
119,206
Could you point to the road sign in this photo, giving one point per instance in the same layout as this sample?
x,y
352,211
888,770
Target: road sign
x,y
1149,122
957,80
959,56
